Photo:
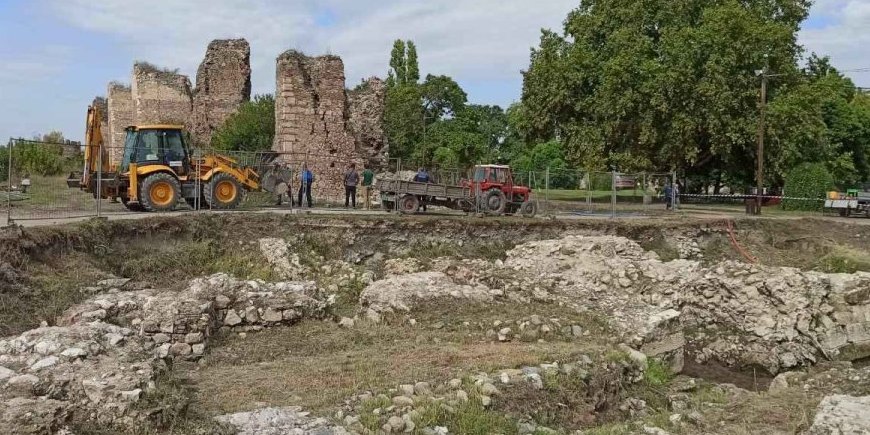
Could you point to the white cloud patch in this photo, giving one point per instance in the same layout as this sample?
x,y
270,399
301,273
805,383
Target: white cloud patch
x,y
467,40
843,36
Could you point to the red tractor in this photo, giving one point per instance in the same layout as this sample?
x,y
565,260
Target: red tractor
x,y
491,190
497,194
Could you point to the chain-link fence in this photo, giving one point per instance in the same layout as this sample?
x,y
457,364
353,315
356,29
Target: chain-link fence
x,y
40,180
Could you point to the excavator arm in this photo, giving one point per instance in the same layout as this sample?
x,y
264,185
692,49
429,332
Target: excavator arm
x,y
95,154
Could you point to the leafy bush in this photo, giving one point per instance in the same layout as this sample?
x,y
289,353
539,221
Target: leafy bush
x,y
252,128
809,180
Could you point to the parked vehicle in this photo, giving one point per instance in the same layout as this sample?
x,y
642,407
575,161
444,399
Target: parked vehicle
x,y
491,190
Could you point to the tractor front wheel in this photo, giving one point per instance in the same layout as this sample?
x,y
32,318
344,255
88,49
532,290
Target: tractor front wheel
x,y
223,192
159,192
529,209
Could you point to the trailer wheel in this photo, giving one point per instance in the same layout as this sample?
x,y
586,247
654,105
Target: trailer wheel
x,y
494,202
529,209
409,204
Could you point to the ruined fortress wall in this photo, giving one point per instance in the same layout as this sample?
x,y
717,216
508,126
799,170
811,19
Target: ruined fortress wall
x,y
311,118
160,96
367,104
223,83
119,109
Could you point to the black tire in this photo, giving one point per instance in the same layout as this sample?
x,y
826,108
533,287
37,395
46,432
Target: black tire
x,y
494,202
159,192
132,206
529,209
409,204
222,192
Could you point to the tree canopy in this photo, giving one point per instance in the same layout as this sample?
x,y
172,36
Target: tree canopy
x,y
251,128
659,85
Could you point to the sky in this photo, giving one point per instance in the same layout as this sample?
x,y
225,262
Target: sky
x,y
57,55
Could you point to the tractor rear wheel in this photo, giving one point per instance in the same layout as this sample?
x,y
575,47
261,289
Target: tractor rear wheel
x,y
223,192
494,202
159,192
409,204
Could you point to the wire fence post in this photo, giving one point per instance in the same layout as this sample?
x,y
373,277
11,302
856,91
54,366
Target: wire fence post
x,y
99,191
547,190
674,196
9,183
644,192
613,194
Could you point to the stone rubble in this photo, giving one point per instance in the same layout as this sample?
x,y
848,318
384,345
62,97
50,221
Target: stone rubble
x,y
842,415
403,292
279,421
106,352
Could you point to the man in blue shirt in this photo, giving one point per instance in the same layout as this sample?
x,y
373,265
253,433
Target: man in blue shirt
x,y
306,179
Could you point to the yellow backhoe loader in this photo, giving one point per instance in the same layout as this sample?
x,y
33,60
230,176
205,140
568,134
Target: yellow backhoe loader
x,y
157,170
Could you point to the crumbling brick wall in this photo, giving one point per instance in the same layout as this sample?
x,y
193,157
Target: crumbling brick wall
x,y
223,83
119,109
311,119
367,105
160,96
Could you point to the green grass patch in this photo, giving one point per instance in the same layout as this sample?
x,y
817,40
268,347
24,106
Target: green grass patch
x,y
844,260
657,373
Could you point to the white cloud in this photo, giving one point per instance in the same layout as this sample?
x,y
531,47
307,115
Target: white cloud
x,y
470,40
843,36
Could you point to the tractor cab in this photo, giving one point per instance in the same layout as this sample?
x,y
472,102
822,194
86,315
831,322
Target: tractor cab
x,y
499,177
162,145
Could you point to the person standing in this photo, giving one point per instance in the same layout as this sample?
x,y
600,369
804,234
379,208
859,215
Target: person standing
x,y
351,179
422,177
367,177
306,179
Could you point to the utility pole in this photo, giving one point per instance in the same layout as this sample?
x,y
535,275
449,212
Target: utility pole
x,y
759,172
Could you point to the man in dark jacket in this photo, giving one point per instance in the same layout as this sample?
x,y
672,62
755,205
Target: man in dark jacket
x,y
422,177
351,179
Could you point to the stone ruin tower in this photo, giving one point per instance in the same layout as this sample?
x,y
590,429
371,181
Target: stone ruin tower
x,y
223,83
317,122
160,96
120,113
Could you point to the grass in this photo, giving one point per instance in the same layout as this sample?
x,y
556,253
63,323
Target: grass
x,y
844,260
317,365
46,293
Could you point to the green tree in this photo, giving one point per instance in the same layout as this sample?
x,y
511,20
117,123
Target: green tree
x,y
442,96
412,67
472,135
660,85
251,128
398,65
809,180
403,119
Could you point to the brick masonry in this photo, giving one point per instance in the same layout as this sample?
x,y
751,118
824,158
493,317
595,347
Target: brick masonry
x,y
311,119
160,96
223,83
120,116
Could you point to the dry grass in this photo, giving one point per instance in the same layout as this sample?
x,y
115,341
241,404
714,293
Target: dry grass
x,y
317,364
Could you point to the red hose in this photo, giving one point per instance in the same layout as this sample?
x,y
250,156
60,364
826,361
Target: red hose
x,y
729,225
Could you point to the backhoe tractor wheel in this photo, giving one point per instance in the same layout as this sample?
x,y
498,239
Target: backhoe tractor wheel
x,y
223,192
494,202
409,204
159,192
529,209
